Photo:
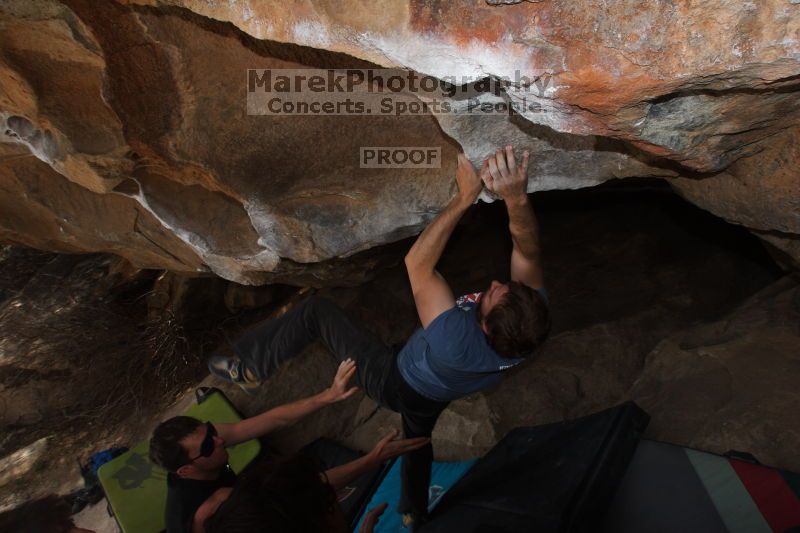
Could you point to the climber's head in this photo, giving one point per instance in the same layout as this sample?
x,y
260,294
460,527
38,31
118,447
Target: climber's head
x,y
514,318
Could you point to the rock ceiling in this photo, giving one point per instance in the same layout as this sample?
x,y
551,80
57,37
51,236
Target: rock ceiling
x,y
125,127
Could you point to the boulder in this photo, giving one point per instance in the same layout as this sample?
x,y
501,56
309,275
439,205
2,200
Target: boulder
x,y
137,109
714,386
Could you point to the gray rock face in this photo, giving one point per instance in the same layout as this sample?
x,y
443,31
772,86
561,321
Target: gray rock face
x,y
713,387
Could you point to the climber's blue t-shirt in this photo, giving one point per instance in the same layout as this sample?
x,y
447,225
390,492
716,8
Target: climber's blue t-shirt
x,y
451,358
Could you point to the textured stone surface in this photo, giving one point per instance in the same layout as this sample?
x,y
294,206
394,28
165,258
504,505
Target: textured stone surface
x,y
643,71
761,192
138,107
236,193
715,386
42,209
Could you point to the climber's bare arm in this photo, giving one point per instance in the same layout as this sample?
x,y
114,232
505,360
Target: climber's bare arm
x,y
432,294
504,177
286,415
526,258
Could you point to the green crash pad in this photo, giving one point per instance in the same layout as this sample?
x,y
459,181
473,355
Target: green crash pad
x,y
136,489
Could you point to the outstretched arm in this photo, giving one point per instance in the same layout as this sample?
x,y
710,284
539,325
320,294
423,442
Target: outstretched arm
x,y
432,295
387,448
504,177
288,414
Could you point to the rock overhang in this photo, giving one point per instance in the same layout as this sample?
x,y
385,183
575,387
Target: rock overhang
x,y
145,102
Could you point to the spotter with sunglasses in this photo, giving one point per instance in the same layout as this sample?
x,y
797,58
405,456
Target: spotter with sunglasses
x,y
195,455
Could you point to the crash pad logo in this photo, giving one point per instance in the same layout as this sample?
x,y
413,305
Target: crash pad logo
x,y
343,494
435,493
136,471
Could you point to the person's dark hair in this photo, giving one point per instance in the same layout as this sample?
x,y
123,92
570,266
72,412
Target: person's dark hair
x,y
286,495
519,323
165,444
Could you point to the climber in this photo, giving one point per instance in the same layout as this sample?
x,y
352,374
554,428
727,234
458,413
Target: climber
x,y
194,454
464,344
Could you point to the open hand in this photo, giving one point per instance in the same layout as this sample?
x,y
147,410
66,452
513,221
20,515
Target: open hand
x,y
503,177
388,448
469,184
338,391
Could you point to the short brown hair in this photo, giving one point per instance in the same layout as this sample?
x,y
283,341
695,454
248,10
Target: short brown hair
x,y
165,445
519,323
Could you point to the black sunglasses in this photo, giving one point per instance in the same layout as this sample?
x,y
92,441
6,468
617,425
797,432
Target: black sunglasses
x,y
207,446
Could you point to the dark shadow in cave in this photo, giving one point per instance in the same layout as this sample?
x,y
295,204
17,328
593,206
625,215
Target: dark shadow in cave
x,y
616,250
